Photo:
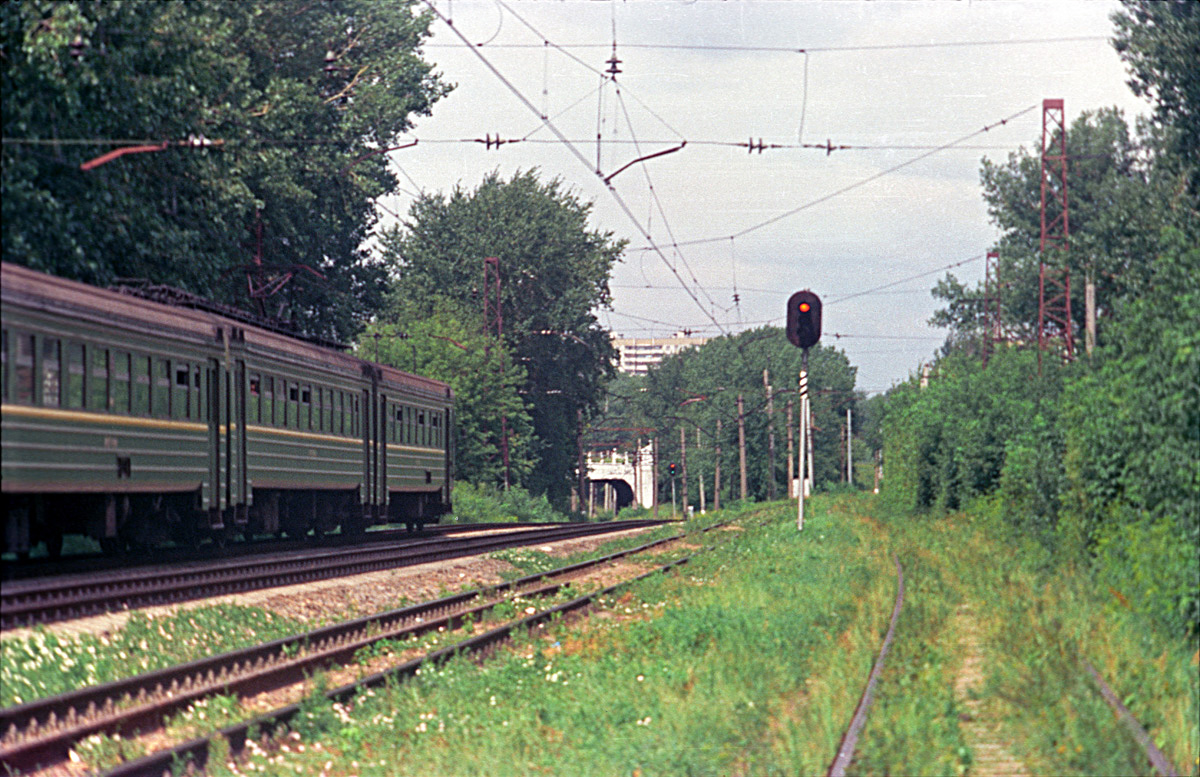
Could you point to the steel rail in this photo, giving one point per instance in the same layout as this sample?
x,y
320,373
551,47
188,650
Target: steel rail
x,y
196,751
850,740
92,563
51,600
1159,761
42,732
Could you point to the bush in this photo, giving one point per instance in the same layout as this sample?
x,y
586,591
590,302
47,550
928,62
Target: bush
x,y
488,504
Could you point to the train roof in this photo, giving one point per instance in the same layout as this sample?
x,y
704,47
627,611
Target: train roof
x,y
53,294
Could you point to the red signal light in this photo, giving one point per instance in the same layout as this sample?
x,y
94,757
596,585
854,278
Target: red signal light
x,y
804,319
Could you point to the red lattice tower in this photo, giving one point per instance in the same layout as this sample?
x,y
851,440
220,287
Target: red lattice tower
x,y
1054,278
493,324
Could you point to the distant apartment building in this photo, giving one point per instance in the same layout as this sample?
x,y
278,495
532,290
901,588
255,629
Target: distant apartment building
x,y
639,354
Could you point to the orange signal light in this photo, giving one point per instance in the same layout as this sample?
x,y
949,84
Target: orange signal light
x,y
804,307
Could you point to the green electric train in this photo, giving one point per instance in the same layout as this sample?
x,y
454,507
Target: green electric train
x,y
136,422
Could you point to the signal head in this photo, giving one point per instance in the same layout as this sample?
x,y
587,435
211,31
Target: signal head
x,y
804,319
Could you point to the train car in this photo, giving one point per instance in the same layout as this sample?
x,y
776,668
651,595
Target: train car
x,y
136,422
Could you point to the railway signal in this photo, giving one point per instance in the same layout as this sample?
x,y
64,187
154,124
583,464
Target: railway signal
x,y
804,319
803,331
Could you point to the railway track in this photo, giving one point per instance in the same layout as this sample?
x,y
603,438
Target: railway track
x,y
41,733
845,754
46,600
91,563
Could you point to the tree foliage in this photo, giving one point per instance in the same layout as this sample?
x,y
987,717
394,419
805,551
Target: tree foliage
x,y
554,274
278,101
446,344
691,390
1160,42
1102,454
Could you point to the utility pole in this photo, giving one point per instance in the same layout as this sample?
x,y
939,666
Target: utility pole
x,y
790,460
770,437
803,436
849,449
683,467
583,478
808,412
654,458
742,445
717,471
494,318
700,475
1089,310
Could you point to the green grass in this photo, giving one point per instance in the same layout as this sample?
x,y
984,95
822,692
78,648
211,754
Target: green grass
x,y
707,671
46,664
1038,617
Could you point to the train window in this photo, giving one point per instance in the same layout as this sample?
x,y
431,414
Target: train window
x,y
24,368
97,383
268,400
160,391
421,427
51,372
180,401
141,385
119,401
254,411
198,409
306,407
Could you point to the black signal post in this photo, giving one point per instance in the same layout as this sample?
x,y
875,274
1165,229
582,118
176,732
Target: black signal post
x,y
803,331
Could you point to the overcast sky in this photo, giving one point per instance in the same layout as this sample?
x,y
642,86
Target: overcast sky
x,y
766,224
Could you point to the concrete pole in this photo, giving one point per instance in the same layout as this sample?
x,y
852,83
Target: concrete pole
x,y
742,445
849,449
770,437
717,471
683,470
700,476
1089,306
803,429
809,434
654,462
791,459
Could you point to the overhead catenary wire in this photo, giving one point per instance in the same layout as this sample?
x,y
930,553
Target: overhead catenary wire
x,y
574,150
566,47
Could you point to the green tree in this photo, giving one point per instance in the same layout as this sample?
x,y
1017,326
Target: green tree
x,y
554,273
445,344
1116,207
1160,42
1133,443
691,390
267,109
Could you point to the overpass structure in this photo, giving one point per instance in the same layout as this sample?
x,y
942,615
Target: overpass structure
x,y
617,480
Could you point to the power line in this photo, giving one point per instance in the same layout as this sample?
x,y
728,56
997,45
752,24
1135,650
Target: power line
x,y
575,152
564,47
857,184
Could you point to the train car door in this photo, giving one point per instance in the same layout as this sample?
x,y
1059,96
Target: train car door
x,y
381,437
237,487
212,400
